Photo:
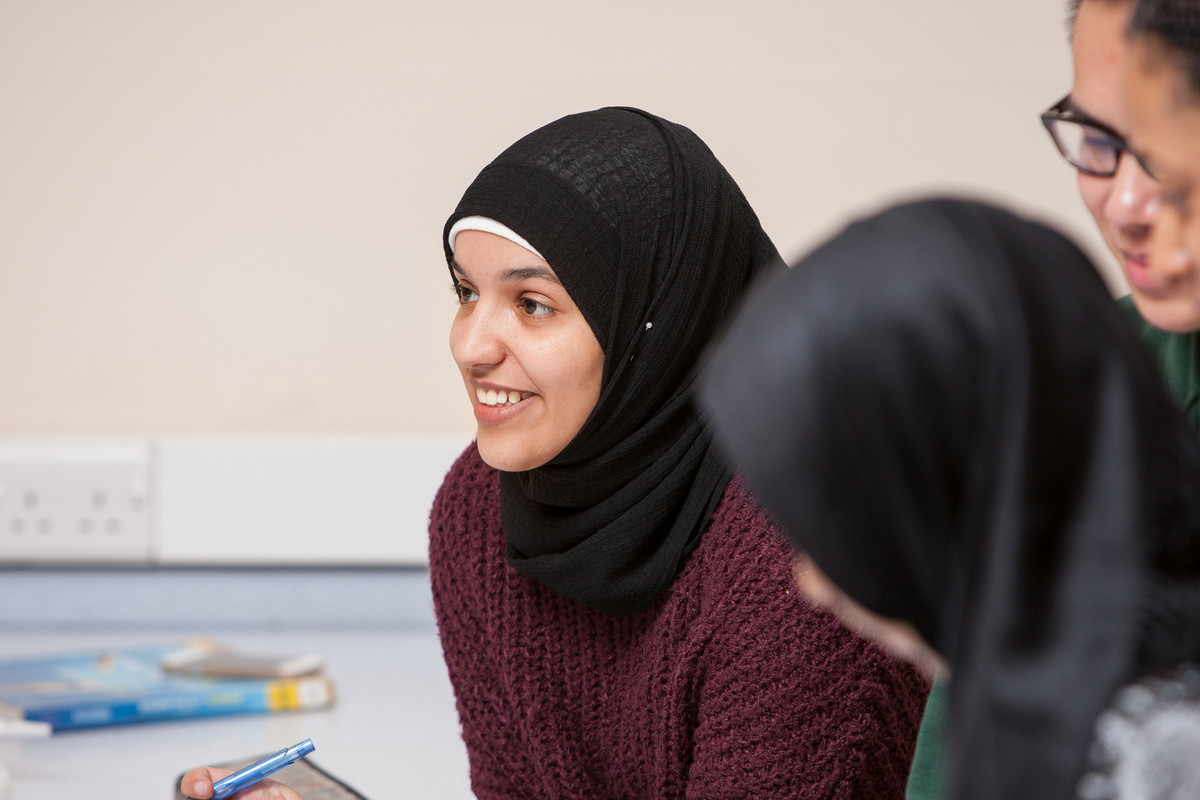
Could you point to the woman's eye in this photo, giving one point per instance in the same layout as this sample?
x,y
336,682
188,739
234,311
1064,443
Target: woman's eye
x,y
464,293
1098,143
535,309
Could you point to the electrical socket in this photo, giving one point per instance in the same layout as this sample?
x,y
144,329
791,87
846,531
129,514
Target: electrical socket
x,y
67,501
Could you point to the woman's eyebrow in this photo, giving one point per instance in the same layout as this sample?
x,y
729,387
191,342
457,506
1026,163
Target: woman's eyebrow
x,y
526,273
1081,113
516,274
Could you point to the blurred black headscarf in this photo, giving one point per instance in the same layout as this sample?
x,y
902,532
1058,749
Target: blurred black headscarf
x,y
945,409
654,242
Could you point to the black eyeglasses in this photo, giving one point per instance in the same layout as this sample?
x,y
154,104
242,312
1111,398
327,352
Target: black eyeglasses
x,y
1087,145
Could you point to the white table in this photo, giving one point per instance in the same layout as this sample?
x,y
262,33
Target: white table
x,y
393,732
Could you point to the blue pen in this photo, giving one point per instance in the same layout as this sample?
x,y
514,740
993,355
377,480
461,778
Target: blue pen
x,y
248,776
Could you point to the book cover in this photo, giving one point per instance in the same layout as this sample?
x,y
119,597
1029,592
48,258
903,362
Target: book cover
x,y
128,684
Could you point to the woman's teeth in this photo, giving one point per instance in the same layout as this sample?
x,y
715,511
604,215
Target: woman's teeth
x,y
491,397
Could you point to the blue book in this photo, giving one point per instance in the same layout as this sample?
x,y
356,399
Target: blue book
x,y
128,684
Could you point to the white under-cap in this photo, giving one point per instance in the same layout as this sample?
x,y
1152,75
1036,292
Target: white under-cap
x,y
488,225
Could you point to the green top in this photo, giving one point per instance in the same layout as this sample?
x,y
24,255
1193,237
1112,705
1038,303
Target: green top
x,y
927,780
1178,358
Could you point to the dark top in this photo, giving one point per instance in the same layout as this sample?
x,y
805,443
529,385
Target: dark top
x,y
730,685
944,408
1178,357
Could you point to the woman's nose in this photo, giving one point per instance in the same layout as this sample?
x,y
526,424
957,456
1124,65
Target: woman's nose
x,y
476,337
1132,200
1170,257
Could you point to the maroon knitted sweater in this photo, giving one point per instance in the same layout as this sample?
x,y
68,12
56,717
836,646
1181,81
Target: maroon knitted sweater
x,y
728,686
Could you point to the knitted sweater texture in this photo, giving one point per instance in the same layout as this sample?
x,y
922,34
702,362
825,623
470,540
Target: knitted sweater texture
x,y
730,685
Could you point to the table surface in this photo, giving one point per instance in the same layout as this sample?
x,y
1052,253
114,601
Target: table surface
x,y
393,732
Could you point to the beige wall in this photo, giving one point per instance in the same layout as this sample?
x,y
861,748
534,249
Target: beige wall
x,y
224,215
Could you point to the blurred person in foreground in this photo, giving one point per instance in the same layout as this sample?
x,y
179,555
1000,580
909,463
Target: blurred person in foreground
x,y
947,413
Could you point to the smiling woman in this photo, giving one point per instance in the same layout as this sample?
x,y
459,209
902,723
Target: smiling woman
x,y
515,321
1089,126
606,474
617,615
1162,89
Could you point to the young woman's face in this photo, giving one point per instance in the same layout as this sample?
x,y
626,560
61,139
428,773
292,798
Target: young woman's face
x,y
530,361
1165,119
1122,204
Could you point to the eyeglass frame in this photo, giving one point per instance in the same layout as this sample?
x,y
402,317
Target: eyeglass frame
x,y
1061,112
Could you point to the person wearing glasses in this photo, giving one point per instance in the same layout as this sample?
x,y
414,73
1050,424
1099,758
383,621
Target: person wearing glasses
x,y
1089,126
1162,89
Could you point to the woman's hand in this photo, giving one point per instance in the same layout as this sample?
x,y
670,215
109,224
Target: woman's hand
x,y
198,783
896,636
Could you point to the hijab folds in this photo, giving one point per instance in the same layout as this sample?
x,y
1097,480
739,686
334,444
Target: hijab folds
x,y
654,242
944,407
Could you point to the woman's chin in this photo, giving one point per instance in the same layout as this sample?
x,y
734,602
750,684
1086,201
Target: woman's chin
x,y
507,456
1177,315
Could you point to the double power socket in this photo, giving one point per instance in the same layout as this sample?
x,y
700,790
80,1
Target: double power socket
x,y
76,502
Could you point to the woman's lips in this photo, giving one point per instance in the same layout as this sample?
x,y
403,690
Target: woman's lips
x,y
1137,270
496,404
499,397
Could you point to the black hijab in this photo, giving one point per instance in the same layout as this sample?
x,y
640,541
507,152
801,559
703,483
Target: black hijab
x,y
654,242
944,407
